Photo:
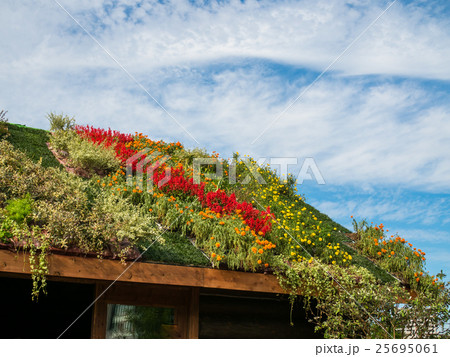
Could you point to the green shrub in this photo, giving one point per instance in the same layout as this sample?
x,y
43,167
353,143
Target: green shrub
x,y
5,230
83,153
19,209
61,139
92,157
120,225
60,122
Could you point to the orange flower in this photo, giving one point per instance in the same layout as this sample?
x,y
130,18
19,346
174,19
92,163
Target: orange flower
x,y
379,253
212,237
213,255
266,265
406,258
260,251
217,244
254,250
260,233
259,261
150,210
392,252
417,279
219,258
221,223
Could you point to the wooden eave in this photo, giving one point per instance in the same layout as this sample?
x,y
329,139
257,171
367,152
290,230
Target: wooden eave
x,y
97,270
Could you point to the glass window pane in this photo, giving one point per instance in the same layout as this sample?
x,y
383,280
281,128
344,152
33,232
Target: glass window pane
x,y
128,321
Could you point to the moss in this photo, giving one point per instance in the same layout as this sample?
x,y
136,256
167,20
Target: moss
x,y
326,220
176,250
361,261
33,143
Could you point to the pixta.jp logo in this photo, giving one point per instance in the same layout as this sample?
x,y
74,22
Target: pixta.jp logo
x,y
143,162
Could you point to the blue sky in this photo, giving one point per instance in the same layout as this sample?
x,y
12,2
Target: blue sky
x,y
376,122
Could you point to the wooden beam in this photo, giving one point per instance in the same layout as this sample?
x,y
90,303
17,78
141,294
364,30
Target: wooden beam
x,y
73,267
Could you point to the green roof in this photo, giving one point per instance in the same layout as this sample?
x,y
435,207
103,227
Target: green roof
x,y
177,248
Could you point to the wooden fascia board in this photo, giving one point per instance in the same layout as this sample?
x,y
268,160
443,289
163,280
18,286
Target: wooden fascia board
x,y
73,267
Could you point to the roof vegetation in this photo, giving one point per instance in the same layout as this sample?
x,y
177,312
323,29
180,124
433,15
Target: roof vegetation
x,y
127,196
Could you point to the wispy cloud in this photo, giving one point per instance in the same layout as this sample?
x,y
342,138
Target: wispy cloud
x,y
227,69
157,34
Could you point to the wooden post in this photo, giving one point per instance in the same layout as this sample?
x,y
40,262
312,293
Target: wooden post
x,y
98,329
193,320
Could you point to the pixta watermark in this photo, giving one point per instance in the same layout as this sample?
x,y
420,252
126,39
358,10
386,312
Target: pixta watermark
x,y
143,164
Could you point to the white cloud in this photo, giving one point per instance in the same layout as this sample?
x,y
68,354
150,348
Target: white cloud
x,y
206,66
405,41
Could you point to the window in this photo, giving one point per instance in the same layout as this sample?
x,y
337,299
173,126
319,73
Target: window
x,y
129,321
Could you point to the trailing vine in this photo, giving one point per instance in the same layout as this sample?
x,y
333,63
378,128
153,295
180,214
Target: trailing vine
x,y
38,245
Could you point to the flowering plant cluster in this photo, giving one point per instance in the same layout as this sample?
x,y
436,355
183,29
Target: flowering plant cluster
x,y
211,204
394,253
108,138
